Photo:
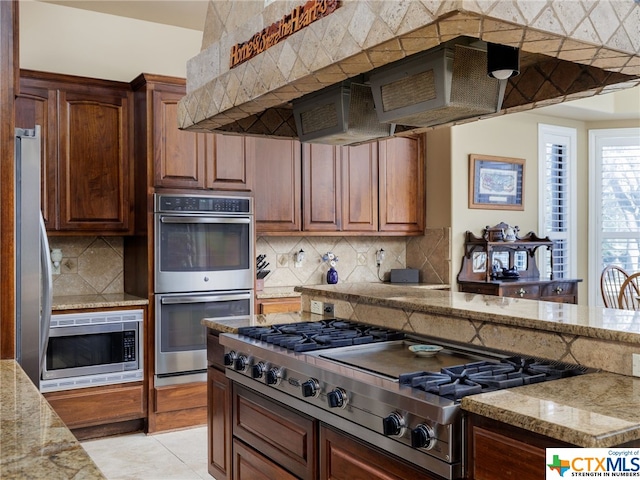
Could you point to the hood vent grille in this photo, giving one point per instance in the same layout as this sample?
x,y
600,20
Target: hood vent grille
x,y
436,87
342,114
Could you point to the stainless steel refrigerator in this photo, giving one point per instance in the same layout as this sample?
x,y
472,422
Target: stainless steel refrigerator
x,y
33,264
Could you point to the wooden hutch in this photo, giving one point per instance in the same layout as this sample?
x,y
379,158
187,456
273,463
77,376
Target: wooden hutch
x,y
502,263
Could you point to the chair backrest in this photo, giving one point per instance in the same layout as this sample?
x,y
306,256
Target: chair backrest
x,y
629,296
611,279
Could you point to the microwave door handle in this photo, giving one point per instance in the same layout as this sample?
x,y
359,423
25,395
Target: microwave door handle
x,y
205,220
203,299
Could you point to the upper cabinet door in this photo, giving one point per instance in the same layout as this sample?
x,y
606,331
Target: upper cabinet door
x,y
321,187
229,168
360,188
402,194
37,106
277,187
94,152
179,156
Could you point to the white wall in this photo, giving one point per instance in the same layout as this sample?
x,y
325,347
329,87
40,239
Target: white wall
x,y
69,40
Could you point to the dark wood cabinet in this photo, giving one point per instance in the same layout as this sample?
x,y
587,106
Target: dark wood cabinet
x,y
219,424
284,436
490,442
360,188
87,151
487,257
321,188
181,159
402,190
248,464
374,187
277,191
342,456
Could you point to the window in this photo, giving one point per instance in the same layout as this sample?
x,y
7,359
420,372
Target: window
x,y
557,207
614,203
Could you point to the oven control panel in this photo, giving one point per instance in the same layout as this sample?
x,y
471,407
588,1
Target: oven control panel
x,y
202,204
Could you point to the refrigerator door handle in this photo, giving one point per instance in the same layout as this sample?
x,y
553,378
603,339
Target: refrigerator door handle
x,y
47,292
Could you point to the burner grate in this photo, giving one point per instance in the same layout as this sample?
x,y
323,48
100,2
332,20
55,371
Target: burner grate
x,y
485,376
309,336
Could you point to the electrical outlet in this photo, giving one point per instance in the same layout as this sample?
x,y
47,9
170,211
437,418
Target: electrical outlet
x,y
636,365
328,309
316,307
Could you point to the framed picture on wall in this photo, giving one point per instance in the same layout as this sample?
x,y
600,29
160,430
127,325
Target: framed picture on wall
x,y
496,183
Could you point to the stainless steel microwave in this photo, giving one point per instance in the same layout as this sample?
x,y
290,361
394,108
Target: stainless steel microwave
x,y
95,348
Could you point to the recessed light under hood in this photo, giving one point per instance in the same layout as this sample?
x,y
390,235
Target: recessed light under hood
x,y
342,114
438,86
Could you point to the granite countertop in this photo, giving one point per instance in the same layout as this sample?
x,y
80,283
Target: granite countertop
x,y
277,292
232,325
595,322
34,442
107,300
594,410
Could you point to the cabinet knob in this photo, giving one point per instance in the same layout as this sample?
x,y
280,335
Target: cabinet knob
x,y
521,292
559,290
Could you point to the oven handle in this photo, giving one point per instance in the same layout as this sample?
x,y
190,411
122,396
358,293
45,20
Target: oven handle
x,y
202,299
174,219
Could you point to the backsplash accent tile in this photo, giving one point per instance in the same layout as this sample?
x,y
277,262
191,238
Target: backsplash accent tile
x,y
90,265
356,258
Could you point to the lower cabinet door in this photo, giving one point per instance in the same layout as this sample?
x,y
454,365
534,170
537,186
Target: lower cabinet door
x,y
281,434
344,457
250,465
219,424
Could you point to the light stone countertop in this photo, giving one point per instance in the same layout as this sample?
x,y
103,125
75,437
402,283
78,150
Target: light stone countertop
x,y
595,410
232,325
107,300
277,292
595,322
34,442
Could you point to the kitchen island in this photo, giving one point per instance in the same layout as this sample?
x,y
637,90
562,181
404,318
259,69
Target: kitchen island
x,y
594,410
34,442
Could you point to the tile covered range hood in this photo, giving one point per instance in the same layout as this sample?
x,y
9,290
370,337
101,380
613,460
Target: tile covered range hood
x,y
568,50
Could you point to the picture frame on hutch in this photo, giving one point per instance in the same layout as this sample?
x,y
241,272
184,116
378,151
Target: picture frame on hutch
x,y
496,183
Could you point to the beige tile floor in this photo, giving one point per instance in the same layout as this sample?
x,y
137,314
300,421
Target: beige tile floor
x,y
179,455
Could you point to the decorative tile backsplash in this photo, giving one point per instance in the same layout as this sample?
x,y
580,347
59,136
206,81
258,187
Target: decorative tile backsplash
x,y
90,265
94,265
356,258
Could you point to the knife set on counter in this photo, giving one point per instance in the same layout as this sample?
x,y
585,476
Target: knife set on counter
x,y
261,265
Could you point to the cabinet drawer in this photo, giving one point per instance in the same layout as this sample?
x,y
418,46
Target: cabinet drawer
x,y
521,291
180,397
286,437
250,465
555,289
98,405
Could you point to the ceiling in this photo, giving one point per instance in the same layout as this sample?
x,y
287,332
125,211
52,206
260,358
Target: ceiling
x,y
191,14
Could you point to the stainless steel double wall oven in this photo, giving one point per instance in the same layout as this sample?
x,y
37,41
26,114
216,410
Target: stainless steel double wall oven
x,y
204,267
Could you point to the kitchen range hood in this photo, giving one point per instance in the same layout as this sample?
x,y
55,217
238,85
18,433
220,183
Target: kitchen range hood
x,y
342,114
438,86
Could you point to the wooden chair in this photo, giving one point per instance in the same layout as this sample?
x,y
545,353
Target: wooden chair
x,y
629,296
611,280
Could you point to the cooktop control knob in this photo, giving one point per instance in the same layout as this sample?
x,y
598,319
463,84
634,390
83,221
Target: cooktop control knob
x,y
273,377
337,398
241,363
257,370
229,358
393,425
311,388
423,437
